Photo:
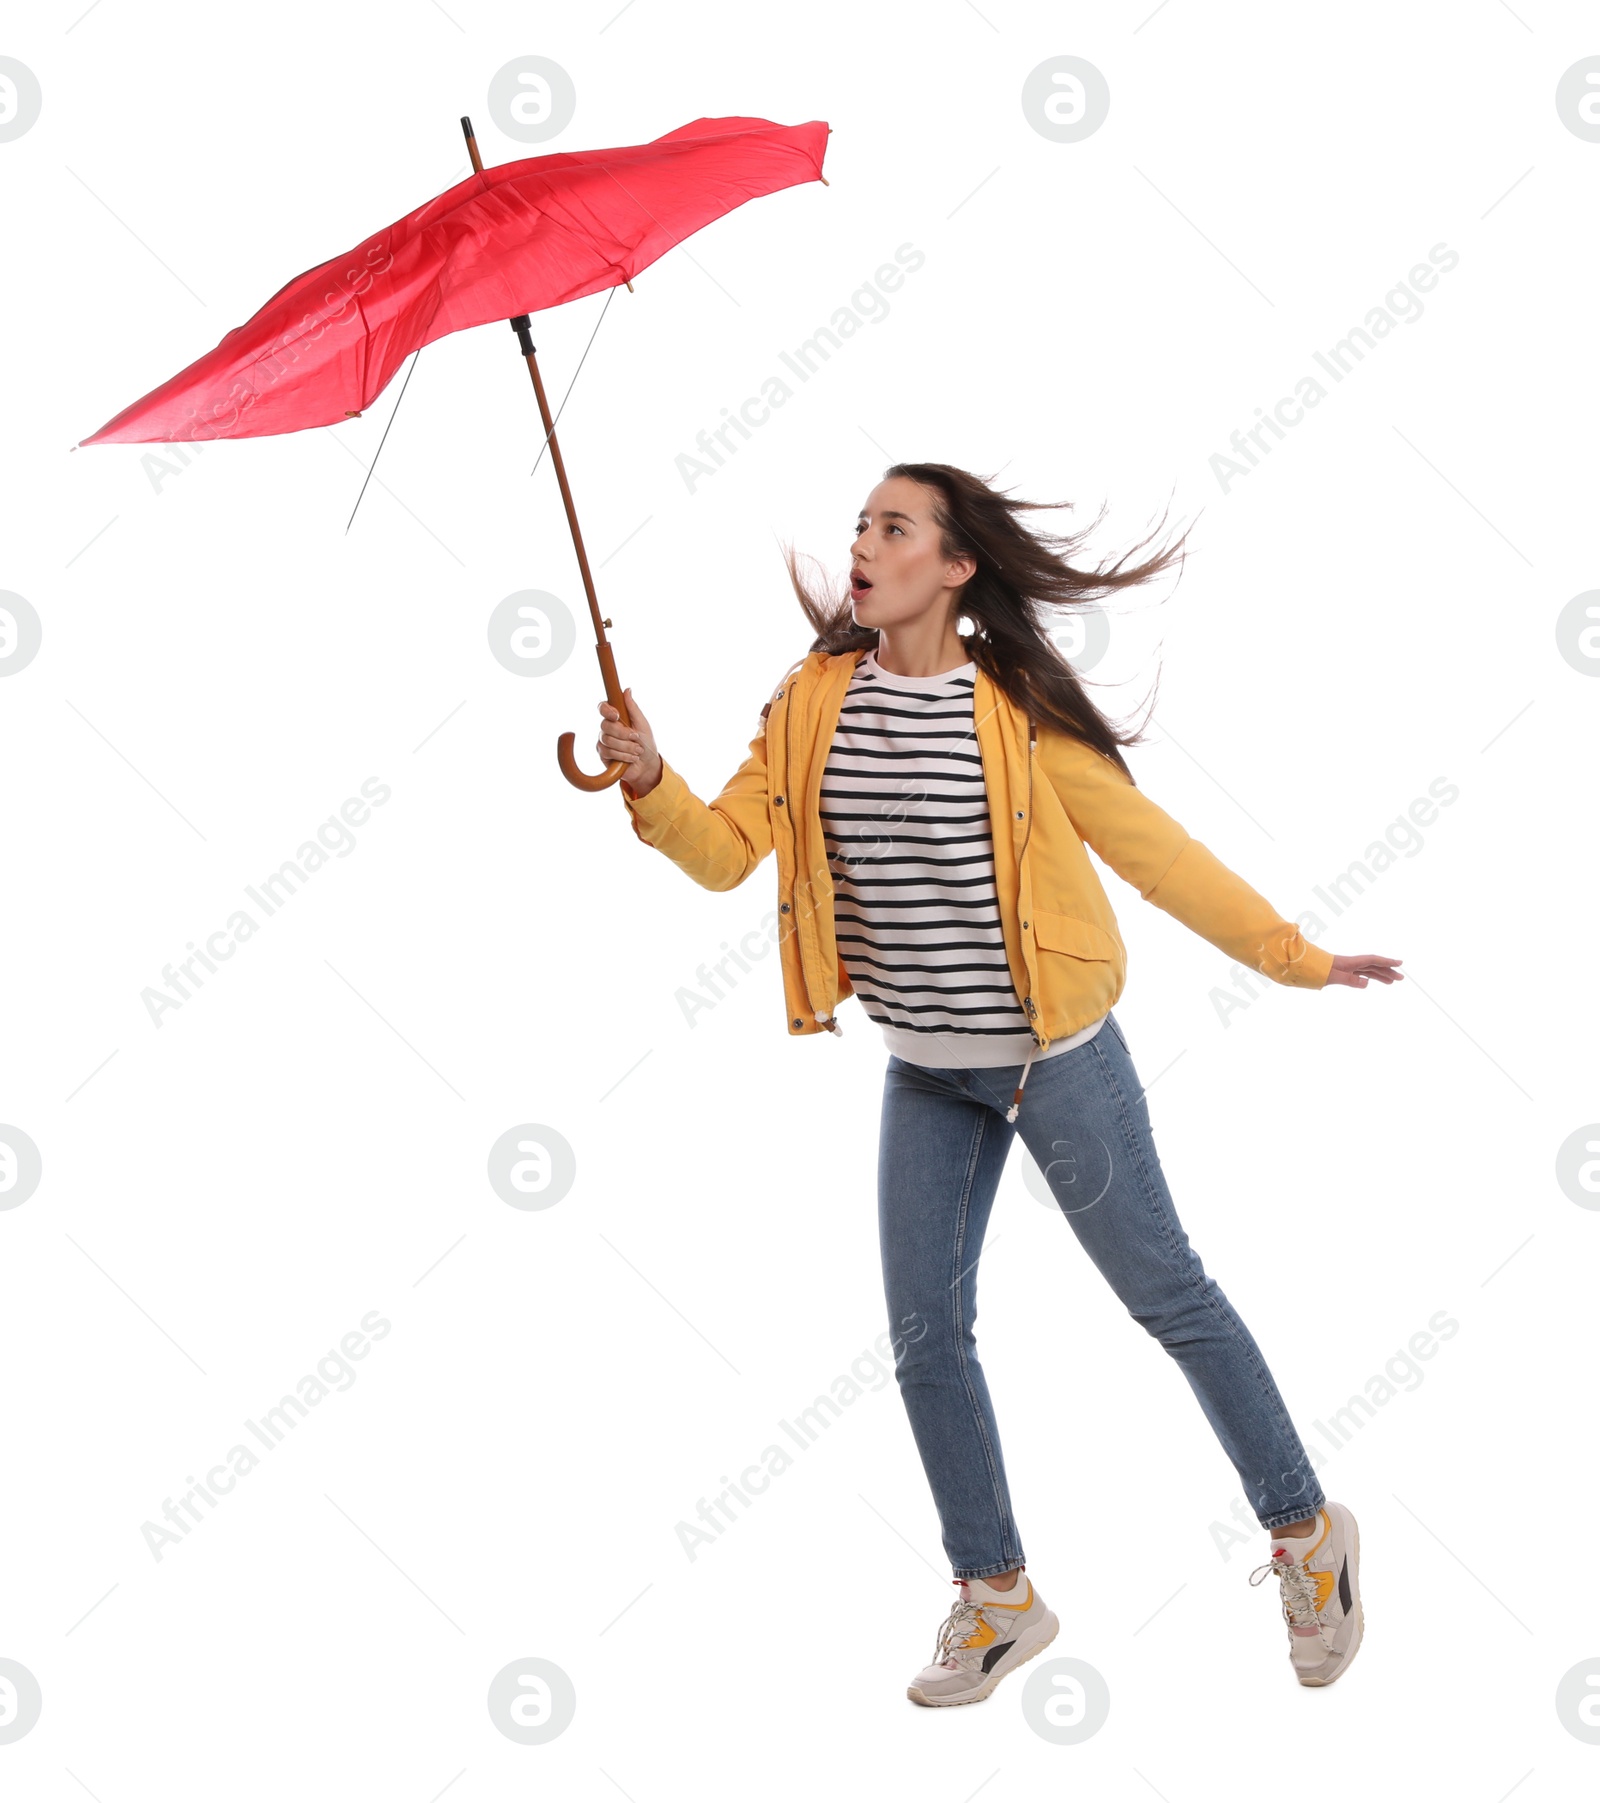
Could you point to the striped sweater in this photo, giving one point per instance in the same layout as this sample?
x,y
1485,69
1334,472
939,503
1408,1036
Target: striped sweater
x,y
905,817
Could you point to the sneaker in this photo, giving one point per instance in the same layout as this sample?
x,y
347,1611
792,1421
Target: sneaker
x,y
988,1633
1319,1583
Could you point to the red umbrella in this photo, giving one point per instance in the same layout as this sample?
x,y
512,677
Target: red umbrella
x,y
504,243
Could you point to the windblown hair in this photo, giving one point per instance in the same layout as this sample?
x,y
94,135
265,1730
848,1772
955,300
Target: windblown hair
x,y
1021,575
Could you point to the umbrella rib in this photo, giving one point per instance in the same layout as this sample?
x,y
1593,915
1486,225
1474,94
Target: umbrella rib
x,y
385,439
572,384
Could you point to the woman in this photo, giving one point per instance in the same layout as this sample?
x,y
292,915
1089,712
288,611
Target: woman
x,y
930,798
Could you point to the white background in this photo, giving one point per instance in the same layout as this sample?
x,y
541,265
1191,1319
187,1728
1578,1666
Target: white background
x,y
226,1195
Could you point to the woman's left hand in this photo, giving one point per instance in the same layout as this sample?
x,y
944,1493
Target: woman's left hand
x,y
1353,969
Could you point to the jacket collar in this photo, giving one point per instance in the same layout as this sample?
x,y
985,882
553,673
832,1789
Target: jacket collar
x,y
997,721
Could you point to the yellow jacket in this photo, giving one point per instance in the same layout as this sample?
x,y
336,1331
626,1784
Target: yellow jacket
x,y
1066,955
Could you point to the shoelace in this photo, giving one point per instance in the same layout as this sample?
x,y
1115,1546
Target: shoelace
x,y
960,1624
1296,1588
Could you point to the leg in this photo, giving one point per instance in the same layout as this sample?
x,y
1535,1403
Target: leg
x,y
940,1156
1084,1119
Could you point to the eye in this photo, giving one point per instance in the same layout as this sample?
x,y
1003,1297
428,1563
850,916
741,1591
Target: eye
x,y
899,529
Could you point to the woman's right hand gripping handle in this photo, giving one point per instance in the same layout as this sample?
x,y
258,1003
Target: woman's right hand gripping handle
x,y
633,745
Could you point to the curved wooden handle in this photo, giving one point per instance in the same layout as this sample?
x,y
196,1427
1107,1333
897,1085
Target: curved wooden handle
x,y
564,754
570,770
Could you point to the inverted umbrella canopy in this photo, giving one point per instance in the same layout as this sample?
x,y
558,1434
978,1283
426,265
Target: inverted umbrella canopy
x,y
505,243
509,240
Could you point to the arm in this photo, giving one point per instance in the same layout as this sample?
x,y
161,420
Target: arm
x,y
1149,849
717,843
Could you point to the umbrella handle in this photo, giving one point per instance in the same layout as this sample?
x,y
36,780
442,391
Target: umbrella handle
x,y
564,755
570,770
574,776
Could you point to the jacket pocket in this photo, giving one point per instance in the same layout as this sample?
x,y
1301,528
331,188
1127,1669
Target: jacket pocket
x,y
1078,938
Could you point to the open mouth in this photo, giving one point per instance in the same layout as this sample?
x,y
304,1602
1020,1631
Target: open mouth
x,y
858,583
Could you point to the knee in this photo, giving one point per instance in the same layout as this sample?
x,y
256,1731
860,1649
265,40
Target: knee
x,y
921,1346
1181,1313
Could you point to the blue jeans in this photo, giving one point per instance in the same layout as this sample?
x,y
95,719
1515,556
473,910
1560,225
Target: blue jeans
x,y
942,1147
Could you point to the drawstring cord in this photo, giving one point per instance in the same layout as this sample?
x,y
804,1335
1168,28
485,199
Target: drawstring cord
x,y
1016,1100
1033,740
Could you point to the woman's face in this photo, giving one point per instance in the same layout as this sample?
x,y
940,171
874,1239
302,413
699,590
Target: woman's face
x,y
897,571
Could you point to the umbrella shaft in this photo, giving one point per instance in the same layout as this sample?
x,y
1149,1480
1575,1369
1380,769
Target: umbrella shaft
x,y
523,328
521,325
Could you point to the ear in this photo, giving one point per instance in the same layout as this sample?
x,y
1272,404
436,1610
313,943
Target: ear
x,y
960,570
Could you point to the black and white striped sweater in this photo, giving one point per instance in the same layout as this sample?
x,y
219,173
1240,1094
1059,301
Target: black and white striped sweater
x,y
906,820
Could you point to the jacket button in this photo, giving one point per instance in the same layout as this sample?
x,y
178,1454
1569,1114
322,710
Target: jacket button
x,y
799,1023
778,696
1024,926
1019,813
783,908
777,801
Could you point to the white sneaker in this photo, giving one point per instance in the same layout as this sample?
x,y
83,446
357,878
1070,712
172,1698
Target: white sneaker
x,y
988,1633
1319,1582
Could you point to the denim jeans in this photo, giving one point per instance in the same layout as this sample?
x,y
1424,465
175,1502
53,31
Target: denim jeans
x,y
942,1147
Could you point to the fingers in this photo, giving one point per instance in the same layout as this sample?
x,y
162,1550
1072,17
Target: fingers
x,y
632,744
1356,969
1383,970
621,742
635,711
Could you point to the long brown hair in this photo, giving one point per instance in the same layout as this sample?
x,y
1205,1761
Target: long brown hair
x,y
1020,574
